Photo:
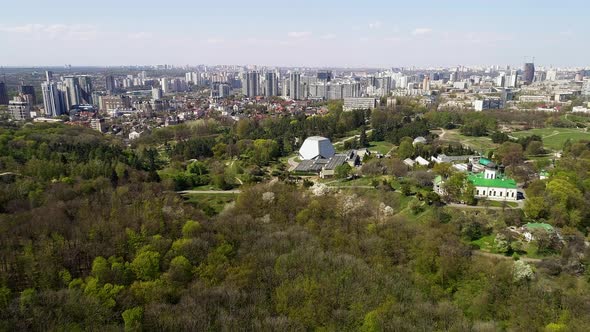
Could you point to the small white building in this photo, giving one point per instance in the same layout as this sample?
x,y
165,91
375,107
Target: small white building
x,y
315,147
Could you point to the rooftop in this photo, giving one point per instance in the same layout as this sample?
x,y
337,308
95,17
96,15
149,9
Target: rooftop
x,y
500,182
539,225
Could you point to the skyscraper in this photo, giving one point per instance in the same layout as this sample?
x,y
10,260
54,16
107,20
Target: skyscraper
x,y
271,84
529,72
85,89
110,84
48,75
251,84
295,85
3,94
53,98
28,90
71,87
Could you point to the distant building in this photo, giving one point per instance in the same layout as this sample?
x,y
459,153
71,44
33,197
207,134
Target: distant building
x,y
488,104
28,90
53,99
156,93
251,84
295,86
351,104
19,109
529,72
110,103
110,84
98,125
85,82
586,87
71,88
271,84
3,94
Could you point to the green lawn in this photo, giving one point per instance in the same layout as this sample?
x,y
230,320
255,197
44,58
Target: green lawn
x,y
478,144
553,138
381,147
486,243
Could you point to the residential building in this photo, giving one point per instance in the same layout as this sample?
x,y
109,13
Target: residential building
x,y
295,86
28,90
488,103
529,73
53,99
271,84
3,94
110,84
586,87
110,103
251,84
351,104
19,108
85,82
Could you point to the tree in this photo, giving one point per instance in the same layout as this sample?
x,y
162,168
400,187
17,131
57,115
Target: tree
x,y
133,318
509,154
363,137
443,169
342,171
146,265
454,187
406,148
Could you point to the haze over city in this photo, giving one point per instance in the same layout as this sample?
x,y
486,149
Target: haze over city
x,y
297,33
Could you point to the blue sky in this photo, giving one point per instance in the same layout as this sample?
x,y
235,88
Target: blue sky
x,y
295,33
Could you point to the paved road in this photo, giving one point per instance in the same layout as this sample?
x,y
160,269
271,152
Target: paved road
x,y
292,163
463,206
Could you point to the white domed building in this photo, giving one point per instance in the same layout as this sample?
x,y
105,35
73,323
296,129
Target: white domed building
x,y
316,147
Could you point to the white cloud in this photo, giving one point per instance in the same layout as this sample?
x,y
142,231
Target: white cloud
x,y
139,35
70,32
299,34
375,25
328,36
421,31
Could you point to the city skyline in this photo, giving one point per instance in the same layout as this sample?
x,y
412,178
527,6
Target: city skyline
x,y
370,34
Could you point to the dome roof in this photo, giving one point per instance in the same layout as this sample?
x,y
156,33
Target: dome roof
x,y
315,147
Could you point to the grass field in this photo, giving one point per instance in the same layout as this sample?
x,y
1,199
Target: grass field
x,y
381,147
478,144
553,138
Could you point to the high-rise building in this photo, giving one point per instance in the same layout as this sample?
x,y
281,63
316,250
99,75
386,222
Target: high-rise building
x,y
48,75
529,72
3,94
71,88
156,93
586,87
53,99
19,108
165,85
251,84
295,85
324,75
110,84
28,90
85,89
271,84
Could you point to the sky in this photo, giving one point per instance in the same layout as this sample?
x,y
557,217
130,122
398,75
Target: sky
x,y
320,33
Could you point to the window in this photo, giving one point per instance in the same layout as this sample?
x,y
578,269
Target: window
x,y
478,192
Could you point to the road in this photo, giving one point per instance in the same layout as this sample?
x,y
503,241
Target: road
x,y
292,163
463,206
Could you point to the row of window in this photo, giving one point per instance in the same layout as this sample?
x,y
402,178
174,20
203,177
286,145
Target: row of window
x,y
497,194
